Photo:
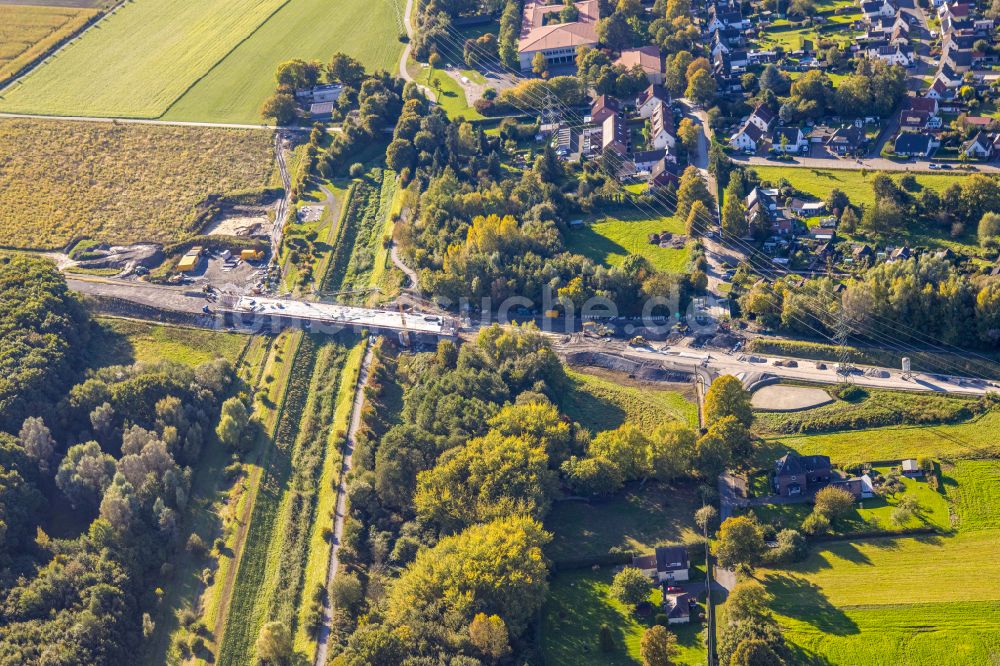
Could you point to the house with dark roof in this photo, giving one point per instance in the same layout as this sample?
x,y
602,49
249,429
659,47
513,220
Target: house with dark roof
x,y
788,140
979,147
647,100
663,173
915,144
798,475
846,140
677,606
604,106
763,117
661,127
615,135
645,159
666,564
747,138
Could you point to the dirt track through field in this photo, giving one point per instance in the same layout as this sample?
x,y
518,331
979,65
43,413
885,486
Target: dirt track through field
x,y
340,512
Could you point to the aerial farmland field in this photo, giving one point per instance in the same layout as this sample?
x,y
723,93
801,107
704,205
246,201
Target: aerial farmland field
x,y
235,88
118,183
139,59
28,31
212,60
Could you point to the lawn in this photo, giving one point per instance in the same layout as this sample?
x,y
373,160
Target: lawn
x,y
235,87
142,58
27,32
975,488
873,513
126,341
579,604
854,182
449,92
933,599
637,518
118,183
610,238
973,439
857,185
605,401
877,408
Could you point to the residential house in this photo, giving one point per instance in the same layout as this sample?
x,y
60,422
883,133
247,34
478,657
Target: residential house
x,y
788,140
647,58
911,469
614,135
900,254
763,117
603,107
873,8
847,140
894,55
960,60
663,173
915,144
938,91
661,127
541,32
798,475
645,159
978,147
650,98
666,564
747,138
954,10
677,606
863,255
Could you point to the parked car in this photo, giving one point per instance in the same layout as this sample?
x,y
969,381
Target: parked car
x,y
932,165
673,588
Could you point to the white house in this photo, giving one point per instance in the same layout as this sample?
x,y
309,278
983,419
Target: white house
x,y
894,55
788,140
978,147
661,128
650,98
747,138
762,117
667,564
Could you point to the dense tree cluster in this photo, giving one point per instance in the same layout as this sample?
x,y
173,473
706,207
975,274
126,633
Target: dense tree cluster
x,y
457,486
119,447
43,330
902,299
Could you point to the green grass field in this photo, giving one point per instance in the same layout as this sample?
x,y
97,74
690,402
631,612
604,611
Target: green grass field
x,y
973,439
605,401
141,59
926,600
235,87
28,31
205,60
636,518
857,185
450,94
975,488
874,513
579,604
127,341
610,238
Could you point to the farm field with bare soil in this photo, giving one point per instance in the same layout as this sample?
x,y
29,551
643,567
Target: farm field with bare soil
x,y
118,183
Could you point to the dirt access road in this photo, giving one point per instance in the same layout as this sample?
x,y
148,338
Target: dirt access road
x,y
340,512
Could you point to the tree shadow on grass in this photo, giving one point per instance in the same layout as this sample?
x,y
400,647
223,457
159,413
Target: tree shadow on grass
x,y
803,600
594,246
591,411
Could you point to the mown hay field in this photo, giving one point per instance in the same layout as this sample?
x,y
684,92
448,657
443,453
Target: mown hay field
x,y
27,32
235,88
140,59
117,183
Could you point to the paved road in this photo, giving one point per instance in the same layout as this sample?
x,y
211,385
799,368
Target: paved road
x,y
871,163
404,58
340,511
190,299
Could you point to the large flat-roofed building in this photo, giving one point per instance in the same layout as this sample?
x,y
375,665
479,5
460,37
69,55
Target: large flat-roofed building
x,y
541,32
